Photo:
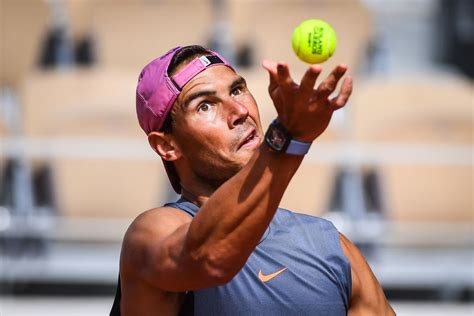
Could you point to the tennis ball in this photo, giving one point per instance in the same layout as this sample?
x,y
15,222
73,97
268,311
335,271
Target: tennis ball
x,y
314,41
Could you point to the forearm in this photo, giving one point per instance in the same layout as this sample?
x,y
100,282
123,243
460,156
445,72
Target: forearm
x,y
231,222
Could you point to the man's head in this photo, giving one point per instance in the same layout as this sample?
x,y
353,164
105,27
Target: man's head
x,y
199,116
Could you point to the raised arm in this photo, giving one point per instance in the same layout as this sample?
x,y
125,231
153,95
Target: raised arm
x,y
184,253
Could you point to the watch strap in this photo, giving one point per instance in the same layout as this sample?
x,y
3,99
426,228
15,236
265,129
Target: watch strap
x,y
298,148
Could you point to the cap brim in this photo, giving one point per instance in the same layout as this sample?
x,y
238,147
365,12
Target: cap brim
x,y
173,176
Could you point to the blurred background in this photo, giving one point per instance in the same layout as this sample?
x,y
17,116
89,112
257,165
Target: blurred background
x,y
394,171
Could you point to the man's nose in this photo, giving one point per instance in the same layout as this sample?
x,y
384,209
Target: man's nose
x,y
237,114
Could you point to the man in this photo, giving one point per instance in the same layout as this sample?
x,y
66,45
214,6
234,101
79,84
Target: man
x,y
225,248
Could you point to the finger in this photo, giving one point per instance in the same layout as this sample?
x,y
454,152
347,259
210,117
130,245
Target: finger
x,y
309,79
340,100
283,76
330,83
271,67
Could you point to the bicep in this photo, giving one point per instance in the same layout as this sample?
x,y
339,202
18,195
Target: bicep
x,y
368,297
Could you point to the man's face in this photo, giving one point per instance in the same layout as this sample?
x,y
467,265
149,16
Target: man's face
x,y
216,124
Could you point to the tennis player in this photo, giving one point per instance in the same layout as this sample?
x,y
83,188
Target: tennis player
x,y
225,247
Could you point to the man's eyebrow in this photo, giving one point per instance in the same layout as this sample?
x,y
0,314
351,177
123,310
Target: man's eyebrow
x,y
238,82
196,95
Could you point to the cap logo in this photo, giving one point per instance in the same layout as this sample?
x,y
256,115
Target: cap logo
x,y
205,61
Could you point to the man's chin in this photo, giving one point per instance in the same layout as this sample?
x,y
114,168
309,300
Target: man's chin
x,y
244,157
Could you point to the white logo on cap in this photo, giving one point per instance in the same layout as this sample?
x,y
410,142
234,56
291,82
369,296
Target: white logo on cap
x,y
205,62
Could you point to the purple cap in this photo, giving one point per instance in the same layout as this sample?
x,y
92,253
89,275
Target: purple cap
x,y
157,92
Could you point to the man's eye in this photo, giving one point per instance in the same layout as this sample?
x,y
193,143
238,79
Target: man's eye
x,y
204,107
237,91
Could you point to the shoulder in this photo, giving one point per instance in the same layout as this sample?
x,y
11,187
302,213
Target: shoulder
x,y
368,297
147,229
161,219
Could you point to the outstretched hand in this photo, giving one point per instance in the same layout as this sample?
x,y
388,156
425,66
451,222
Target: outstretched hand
x,y
303,109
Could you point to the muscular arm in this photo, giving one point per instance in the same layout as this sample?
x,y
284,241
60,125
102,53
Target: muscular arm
x,y
367,294
211,248
185,254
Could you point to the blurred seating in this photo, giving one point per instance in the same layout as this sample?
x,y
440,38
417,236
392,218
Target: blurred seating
x,y
22,28
429,114
127,34
134,32
87,121
80,102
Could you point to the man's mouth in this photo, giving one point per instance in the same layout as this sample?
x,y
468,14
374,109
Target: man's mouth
x,y
250,140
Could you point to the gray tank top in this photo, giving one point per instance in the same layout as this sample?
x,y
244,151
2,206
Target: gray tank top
x,y
298,268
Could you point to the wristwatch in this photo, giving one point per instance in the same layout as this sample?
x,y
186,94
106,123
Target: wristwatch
x,y
279,139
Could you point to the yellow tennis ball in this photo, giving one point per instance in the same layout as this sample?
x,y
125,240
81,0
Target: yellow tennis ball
x,y
314,41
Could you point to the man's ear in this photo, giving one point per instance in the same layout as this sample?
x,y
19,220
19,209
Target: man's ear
x,y
164,145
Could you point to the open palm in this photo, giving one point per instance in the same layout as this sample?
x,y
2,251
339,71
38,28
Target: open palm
x,y
302,109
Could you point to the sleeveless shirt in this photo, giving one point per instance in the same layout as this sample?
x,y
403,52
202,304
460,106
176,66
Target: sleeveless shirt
x,y
297,268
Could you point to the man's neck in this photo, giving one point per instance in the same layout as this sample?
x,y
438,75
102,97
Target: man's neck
x,y
198,189
197,199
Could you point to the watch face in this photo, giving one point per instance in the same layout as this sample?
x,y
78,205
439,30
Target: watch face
x,y
277,138
280,140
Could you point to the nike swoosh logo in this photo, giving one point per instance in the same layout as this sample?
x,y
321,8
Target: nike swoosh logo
x,y
266,278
